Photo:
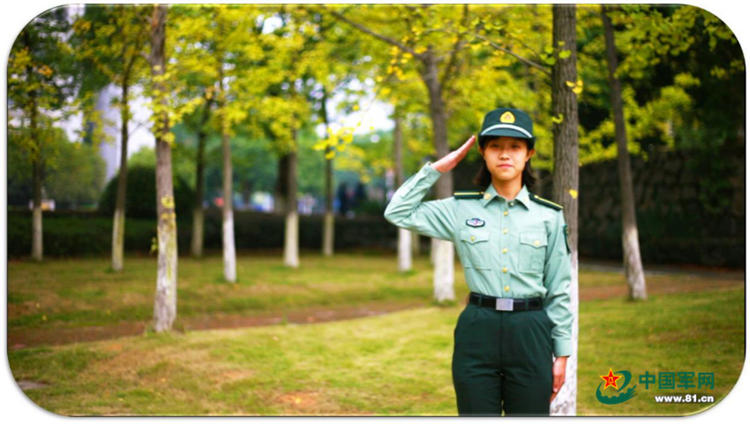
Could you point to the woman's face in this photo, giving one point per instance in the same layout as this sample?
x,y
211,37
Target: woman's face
x,y
506,157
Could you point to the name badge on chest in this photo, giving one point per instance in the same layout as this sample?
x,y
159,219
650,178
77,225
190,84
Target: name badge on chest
x,y
475,222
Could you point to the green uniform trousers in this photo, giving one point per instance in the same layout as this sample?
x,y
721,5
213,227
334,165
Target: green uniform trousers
x,y
502,361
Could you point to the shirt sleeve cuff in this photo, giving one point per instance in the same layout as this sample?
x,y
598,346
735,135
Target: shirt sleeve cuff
x,y
562,347
431,175
430,170
426,176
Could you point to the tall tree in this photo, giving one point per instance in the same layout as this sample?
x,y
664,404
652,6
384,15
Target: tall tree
x,y
165,303
38,70
630,246
328,216
195,38
113,39
404,235
333,77
219,54
437,61
309,76
227,209
237,54
565,173
196,246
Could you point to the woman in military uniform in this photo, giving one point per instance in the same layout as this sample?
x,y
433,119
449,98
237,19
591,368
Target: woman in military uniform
x,y
514,250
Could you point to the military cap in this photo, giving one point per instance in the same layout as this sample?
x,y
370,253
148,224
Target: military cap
x,y
508,122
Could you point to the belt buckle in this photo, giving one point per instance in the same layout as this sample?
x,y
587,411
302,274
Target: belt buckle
x,y
503,304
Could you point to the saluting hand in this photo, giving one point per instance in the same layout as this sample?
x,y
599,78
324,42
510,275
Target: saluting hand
x,y
453,158
558,375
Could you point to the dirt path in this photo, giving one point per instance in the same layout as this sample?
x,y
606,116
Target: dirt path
x,y
18,339
30,337
700,284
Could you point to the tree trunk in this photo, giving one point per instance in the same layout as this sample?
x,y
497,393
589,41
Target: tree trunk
x,y
630,246
165,304
36,243
198,218
404,236
443,278
565,176
36,165
280,195
329,217
230,260
291,229
118,227
414,244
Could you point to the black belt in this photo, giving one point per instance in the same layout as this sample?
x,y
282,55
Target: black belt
x,y
504,303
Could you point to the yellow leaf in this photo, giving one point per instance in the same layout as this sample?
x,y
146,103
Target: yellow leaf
x,y
557,119
573,193
331,154
570,83
167,201
169,138
356,107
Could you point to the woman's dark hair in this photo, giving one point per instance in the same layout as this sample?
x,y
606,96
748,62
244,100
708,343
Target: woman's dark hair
x,y
483,178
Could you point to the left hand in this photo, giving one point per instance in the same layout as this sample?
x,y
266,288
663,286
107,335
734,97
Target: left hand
x,y
558,375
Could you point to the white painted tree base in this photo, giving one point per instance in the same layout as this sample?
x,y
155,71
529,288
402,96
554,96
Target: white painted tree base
x,y
404,250
443,277
291,240
230,258
565,402
328,234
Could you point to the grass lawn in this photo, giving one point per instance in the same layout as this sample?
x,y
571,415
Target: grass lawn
x,y
82,292
395,364
690,332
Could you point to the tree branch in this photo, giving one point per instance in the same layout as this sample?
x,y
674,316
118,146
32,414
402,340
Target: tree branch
x,y
381,37
534,52
448,74
517,56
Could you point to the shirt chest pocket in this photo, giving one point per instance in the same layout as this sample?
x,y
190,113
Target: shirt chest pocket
x,y
532,251
475,245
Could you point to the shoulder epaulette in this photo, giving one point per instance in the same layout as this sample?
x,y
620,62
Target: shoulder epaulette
x,y
468,194
545,202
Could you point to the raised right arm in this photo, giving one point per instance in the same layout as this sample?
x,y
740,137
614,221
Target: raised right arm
x,y
435,218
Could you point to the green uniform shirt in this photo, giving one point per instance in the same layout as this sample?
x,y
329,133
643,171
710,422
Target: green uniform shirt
x,y
508,248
